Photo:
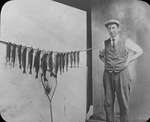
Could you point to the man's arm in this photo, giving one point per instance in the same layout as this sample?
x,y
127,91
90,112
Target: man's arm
x,y
102,53
135,48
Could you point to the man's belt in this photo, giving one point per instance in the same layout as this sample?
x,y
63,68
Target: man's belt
x,y
114,70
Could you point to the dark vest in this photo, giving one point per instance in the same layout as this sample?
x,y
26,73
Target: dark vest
x,y
115,57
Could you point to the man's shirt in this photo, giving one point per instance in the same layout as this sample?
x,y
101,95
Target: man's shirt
x,y
130,45
133,46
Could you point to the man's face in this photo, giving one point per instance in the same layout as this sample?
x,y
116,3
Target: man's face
x,y
113,30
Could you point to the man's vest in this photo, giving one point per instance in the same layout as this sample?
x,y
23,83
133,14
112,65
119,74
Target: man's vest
x,y
115,57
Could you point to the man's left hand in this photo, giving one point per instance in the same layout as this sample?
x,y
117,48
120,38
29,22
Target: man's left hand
x,y
125,65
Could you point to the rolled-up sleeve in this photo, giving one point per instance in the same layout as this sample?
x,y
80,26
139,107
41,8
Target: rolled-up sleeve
x,y
133,46
102,52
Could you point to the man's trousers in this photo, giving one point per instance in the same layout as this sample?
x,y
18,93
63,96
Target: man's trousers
x,y
116,84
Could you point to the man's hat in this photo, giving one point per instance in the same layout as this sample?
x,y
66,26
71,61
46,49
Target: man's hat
x,y
112,21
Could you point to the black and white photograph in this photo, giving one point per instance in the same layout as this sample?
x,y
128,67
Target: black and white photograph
x,y
75,61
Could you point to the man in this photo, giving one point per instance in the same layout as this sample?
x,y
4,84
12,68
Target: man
x,y
116,78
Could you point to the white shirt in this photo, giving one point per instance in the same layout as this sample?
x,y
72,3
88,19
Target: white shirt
x,y
131,45
116,40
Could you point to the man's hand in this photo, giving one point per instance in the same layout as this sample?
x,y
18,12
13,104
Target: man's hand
x,y
125,65
138,51
102,55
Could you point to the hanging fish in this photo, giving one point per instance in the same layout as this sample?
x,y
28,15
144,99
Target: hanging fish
x,y
78,57
56,64
53,64
8,52
63,62
44,65
24,59
60,65
13,56
30,59
50,61
37,62
74,58
19,55
67,60
71,58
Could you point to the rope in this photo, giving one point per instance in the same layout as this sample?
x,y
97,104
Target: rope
x,y
82,50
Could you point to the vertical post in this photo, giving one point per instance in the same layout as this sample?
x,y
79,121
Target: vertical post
x,y
89,58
